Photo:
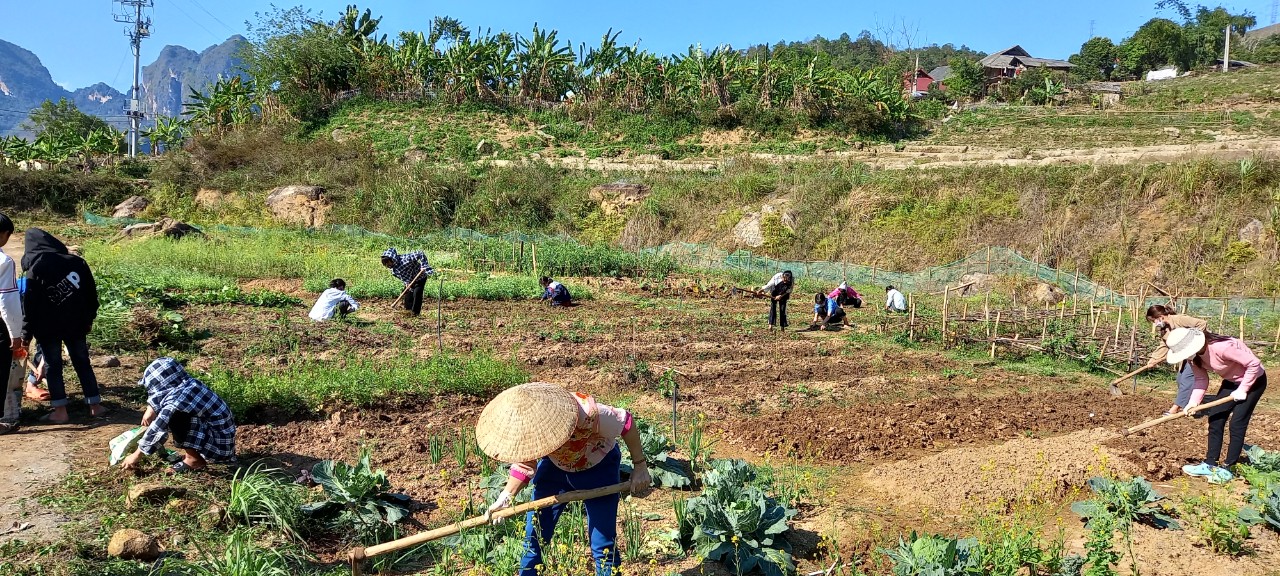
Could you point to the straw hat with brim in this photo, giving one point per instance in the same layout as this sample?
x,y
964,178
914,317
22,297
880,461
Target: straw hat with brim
x,y
1183,343
527,422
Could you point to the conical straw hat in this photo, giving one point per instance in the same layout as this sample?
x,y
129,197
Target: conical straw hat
x,y
527,422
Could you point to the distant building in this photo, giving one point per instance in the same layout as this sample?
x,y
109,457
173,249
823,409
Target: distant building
x,y
1012,62
921,80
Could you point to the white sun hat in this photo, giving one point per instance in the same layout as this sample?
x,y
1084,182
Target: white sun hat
x,y
527,422
1183,343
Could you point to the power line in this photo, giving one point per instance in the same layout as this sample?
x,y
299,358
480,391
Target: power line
x,y
215,18
194,21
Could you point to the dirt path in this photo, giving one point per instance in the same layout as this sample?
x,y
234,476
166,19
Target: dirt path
x,y
943,156
30,460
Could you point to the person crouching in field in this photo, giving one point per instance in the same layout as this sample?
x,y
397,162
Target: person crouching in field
x,y
413,270
845,295
556,292
334,301
894,300
193,416
828,312
1243,379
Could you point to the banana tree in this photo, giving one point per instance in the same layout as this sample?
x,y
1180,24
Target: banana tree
x,y
543,65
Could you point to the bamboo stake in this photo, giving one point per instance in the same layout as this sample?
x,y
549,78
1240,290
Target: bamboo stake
x,y
1222,317
1242,338
988,259
1119,319
993,334
534,251
946,294
911,322
1276,344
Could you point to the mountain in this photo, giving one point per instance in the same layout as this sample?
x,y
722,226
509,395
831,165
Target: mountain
x,y
25,83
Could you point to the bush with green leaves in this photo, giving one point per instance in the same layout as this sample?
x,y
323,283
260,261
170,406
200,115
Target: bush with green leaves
x,y
265,496
925,555
736,523
667,472
1127,502
357,499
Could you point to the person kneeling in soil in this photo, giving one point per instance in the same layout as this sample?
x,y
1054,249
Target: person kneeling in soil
x,y
333,301
1166,319
555,292
828,312
413,270
562,441
845,295
895,301
61,304
1243,379
183,408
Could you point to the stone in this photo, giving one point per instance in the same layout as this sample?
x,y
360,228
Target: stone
x,y
167,227
484,148
1048,294
1253,232
416,157
1172,131
299,204
130,544
617,197
339,135
131,207
747,231
34,165
152,493
976,283
212,518
208,198
105,362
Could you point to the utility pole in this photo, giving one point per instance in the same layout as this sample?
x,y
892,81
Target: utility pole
x,y
140,27
1275,10
1091,23
1226,52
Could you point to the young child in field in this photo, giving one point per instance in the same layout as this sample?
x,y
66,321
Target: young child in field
x,y
184,410
333,301
555,292
11,320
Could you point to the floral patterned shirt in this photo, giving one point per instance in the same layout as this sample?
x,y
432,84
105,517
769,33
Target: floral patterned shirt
x,y
594,436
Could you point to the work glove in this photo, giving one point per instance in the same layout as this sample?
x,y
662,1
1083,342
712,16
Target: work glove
x,y
1191,407
503,501
1239,394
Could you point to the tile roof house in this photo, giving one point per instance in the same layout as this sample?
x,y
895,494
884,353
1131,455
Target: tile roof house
x,y
1012,62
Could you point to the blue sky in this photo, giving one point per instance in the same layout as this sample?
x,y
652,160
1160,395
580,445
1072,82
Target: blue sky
x,y
80,43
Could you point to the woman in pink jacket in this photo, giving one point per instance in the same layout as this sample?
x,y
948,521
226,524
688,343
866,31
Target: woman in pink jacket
x,y
1243,379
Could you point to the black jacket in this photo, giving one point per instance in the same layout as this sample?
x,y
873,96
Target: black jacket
x,y
61,298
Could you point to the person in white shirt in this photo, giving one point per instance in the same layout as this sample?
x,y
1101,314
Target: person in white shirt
x,y
896,302
779,291
11,322
335,300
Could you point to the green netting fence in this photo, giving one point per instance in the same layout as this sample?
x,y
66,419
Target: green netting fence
x,y
555,254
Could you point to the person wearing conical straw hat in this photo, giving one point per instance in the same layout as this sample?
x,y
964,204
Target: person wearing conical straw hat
x,y
1243,379
562,441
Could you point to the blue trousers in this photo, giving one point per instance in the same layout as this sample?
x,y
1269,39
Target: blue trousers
x,y
1186,383
602,513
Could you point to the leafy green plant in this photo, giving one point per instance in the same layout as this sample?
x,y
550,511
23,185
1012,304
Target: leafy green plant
x,y
1125,502
1263,460
667,472
1218,525
667,383
633,535
925,555
1100,555
736,523
265,496
460,449
241,557
435,449
356,497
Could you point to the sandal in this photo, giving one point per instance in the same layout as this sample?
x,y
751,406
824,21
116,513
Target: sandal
x,y
36,394
8,427
181,467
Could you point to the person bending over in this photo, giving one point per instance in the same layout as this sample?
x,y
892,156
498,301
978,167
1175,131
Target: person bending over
x,y
334,301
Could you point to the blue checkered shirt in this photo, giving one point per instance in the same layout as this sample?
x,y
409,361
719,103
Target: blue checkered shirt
x,y
171,390
408,266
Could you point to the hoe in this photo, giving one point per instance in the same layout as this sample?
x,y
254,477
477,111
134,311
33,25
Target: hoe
x,y
357,555
1163,419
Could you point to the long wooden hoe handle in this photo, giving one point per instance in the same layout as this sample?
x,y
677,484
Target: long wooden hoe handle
x,y
406,289
1129,375
357,555
1163,419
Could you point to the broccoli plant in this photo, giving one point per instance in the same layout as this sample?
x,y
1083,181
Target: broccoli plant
x,y
356,497
1127,502
935,556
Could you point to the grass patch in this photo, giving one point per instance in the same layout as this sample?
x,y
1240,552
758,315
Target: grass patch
x,y
310,385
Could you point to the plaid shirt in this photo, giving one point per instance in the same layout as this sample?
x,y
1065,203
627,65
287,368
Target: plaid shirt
x,y
170,390
408,266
